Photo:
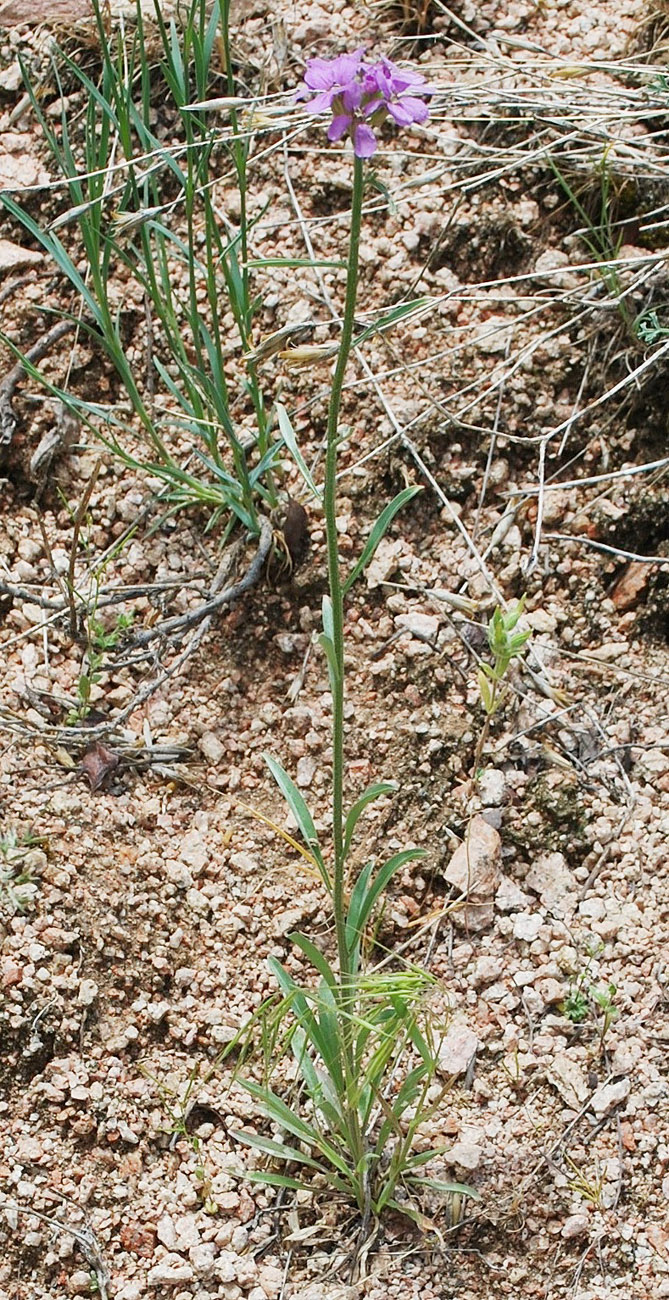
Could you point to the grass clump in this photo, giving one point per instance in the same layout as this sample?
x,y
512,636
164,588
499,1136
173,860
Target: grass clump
x,y
116,182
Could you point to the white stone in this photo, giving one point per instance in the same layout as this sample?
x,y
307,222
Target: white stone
x,y
88,992
464,1154
457,1050
271,1279
13,256
178,874
568,1078
492,336
226,1266
203,1258
610,1095
420,625
492,787
211,748
526,926
306,771
193,851
187,1232
550,878
575,1226
198,901
166,1231
509,896
474,871
171,1270
550,991
486,970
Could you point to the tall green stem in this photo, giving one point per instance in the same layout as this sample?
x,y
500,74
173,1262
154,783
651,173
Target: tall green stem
x,y
334,576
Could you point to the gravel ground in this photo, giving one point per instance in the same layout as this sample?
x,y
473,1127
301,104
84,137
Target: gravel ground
x,y
139,896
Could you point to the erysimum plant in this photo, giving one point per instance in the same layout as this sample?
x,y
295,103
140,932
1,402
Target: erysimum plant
x,y
365,1052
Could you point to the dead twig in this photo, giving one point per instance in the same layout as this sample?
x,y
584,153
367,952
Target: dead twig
x,y
608,550
15,375
80,515
84,1237
171,627
201,618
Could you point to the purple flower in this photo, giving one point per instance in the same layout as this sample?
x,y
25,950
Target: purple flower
x,y
360,95
396,91
329,78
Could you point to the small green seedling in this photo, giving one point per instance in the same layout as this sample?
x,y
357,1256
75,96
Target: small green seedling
x,y
585,999
575,1006
649,328
100,639
505,645
605,1000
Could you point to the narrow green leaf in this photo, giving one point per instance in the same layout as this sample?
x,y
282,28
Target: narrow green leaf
x,y
288,435
327,646
276,1109
277,1150
390,318
283,1180
381,880
378,531
370,794
353,927
258,263
316,957
300,812
461,1189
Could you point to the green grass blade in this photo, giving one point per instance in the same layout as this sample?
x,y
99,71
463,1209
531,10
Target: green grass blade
x,y
301,813
315,956
381,880
378,531
288,435
436,1185
277,1150
372,792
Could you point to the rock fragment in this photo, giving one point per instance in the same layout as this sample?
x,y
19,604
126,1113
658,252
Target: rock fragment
x,y
568,1078
457,1050
474,872
13,256
609,1096
550,878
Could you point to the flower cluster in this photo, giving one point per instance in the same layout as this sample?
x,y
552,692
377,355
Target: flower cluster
x,y
360,95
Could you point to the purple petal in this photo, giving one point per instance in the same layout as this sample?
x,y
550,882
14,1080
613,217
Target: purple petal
x,y
408,110
401,78
373,104
377,83
338,127
348,65
351,96
321,103
418,109
400,114
318,74
364,141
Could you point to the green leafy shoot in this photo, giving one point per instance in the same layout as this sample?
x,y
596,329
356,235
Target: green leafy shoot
x,y
505,645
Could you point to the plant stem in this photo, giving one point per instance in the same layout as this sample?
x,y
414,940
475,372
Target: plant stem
x,y
334,576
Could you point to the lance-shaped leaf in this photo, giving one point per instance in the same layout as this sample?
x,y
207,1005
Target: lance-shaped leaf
x,y
369,795
366,892
378,531
301,813
288,435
